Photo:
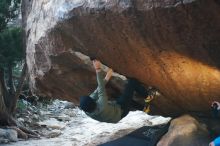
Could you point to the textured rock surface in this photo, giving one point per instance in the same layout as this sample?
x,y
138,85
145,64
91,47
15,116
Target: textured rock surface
x,y
173,45
185,131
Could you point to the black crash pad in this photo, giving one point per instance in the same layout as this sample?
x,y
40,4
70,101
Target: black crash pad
x,y
144,136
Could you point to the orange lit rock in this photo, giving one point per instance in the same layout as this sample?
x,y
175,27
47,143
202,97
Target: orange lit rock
x,y
173,45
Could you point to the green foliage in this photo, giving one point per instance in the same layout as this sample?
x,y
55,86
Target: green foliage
x,y
21,105
11,47
8,11
11,50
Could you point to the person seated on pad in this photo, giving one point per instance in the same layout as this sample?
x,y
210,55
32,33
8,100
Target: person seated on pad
x,y
96,105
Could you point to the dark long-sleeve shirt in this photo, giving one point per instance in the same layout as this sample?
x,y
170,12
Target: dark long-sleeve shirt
x,y
105,111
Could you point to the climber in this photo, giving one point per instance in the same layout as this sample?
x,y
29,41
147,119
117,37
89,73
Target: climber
x,y
96,105
215,109
216,142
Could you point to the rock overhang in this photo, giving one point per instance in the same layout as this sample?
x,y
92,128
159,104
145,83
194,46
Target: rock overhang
x,y
171,45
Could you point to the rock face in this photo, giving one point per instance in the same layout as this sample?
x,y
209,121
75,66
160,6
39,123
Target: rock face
x,y
173,45
185,131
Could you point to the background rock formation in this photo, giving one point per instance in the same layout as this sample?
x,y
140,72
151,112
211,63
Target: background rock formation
x,y
173,45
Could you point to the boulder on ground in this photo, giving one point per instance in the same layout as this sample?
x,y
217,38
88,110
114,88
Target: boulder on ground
x,y
7,135
185,131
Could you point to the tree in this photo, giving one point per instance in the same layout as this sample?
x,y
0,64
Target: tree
x,y
10,49
9,10
11,52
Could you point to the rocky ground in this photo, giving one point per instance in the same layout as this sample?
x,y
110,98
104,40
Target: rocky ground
x,y
61,123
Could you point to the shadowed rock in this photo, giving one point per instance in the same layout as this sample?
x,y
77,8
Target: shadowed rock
x,y
172,45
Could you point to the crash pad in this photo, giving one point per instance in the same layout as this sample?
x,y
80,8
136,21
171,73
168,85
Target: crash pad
x,y
144,136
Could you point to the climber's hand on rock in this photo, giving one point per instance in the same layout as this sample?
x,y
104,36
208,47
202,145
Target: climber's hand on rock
x,y
109,74
97,65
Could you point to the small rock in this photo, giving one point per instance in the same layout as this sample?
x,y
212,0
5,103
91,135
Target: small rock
x,y
9,134
3,140
12,135
42,113
35,117
69,112
30,109
20,120
54,133
69,105
62,118
52,123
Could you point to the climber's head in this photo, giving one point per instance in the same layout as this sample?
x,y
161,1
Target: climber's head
x,y
87,104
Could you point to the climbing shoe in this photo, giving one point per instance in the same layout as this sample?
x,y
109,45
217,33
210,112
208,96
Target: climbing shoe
x,y
152,92
147,101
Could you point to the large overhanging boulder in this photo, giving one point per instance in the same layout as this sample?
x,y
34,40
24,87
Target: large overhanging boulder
x,y
173,45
